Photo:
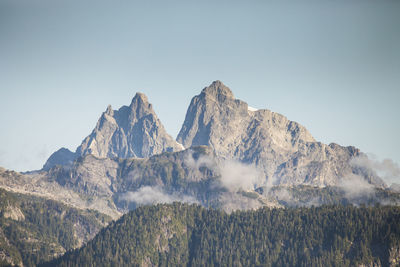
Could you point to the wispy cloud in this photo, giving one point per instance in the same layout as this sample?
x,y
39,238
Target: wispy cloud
x,y
237,176
148,195
355,186
196,164
386,169
235,201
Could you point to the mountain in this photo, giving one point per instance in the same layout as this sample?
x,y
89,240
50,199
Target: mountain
x,y
132,131
284,150
63,156
35,229
188,235
237,158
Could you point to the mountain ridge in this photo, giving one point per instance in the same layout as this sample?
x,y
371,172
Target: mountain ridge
x,y
235,158
264,138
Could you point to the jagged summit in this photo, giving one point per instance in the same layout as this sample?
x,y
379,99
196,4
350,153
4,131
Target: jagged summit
x,y
282,149
217,89
109,111
140,98
132,131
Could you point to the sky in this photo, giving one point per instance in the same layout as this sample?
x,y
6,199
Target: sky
x,y
331,65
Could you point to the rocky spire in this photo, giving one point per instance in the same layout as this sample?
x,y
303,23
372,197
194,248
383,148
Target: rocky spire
x,y
218,90
133,131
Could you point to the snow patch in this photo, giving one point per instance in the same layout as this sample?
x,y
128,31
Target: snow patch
x,y
181,146
251,108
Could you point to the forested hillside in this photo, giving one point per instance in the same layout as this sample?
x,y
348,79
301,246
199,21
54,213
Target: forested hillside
x,y
34,230
189,235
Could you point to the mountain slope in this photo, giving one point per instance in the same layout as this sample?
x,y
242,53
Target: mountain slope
x,y
196,175
183,235
284,150
34,229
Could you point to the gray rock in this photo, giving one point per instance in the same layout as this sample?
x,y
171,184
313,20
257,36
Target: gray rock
x,y
131,132
395,187
284,150
63,156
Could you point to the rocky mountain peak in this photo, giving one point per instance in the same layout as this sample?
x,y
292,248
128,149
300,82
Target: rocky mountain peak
x,y
138,99
132,131
282,149
109,111
218,91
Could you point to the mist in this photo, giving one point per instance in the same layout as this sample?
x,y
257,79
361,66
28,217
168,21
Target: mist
x,y
237,176
387,169
148,195
355,186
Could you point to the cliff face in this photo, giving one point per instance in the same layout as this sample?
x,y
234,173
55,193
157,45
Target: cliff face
x,y
284,150
133,131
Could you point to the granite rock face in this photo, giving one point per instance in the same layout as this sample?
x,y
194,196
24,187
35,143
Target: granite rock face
x,y
63,156
284,150
132,131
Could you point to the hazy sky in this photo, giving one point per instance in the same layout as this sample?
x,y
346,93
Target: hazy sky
x,y
333,66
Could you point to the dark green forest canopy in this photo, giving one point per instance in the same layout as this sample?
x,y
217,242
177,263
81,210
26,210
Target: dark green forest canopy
x,y
189,235
34,229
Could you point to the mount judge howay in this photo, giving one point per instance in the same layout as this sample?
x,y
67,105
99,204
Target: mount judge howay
x,y
227,155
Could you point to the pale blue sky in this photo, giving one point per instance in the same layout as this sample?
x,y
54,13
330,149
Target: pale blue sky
x,y
333,66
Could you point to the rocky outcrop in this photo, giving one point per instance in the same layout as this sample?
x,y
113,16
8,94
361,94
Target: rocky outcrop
x,y
132,131
63,156
284,150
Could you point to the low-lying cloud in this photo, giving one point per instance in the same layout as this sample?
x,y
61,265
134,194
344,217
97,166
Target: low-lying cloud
x,y
196,164
386,169
148,195
237,176
234,175
355,186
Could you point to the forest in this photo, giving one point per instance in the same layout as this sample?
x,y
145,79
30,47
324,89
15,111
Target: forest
x,y
34,230
189,235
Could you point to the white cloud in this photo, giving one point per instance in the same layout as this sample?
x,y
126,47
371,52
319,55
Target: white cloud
x,y
234,201
202,161
386,169
236,175
355,186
